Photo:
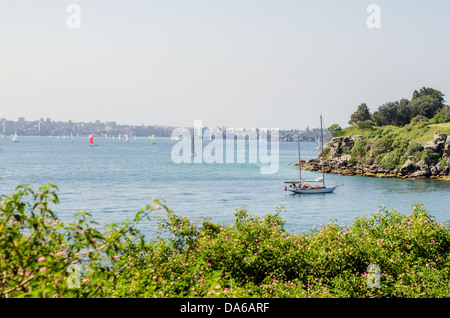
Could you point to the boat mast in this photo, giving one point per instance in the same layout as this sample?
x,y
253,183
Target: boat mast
x,y
321,139
299,162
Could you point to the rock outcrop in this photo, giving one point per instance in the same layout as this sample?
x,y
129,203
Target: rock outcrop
x,y
412,168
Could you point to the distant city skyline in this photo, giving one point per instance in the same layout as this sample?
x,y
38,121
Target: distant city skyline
x,y
46,119
48,127
234,63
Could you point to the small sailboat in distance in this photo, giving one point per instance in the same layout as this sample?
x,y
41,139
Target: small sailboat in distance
x,y
15,138
193,154
91,140
153,139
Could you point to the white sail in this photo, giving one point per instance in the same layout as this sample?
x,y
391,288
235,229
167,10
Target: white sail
x,y
311,186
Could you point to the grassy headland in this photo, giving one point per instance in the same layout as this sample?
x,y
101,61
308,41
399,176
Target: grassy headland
x,y
394,146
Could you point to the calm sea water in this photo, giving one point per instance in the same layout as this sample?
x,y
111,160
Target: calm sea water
x,y
117,179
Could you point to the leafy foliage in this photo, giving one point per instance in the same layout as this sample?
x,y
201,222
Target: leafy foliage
x,y
36,249
254,257
426,103
429,156
334,129
396,113
360,115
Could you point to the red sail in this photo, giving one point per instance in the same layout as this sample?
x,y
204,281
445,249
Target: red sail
x,y
91,139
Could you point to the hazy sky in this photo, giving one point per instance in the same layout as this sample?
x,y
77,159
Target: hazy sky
x,y
235,63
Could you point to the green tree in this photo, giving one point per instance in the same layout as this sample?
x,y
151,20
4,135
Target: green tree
x,y
426,102
396,113
367,124
434,93
334,129
361,114
442,116
425,105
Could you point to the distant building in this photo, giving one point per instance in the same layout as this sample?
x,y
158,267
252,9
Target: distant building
x,y
8,127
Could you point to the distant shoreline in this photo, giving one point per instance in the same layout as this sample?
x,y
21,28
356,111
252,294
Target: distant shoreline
x,y
109,137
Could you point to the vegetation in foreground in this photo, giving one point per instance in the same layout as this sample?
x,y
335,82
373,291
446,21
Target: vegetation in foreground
x,y
41,256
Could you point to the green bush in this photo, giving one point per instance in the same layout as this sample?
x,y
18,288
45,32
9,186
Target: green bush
x,y
366,124
254,257
359,148
419,120
326,152
392,159
430,157
381,146
37,250
414,149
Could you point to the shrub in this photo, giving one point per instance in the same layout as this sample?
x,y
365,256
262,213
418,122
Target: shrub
x,y
366,124
359,148
381,146
430,157
254,257
419,120
414,149
36,249
326,152
442,116
392,159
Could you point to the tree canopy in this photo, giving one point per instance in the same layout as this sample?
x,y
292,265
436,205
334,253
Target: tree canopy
x,y
426,102
361,114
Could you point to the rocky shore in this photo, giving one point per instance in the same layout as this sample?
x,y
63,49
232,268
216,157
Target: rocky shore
x,y
413,168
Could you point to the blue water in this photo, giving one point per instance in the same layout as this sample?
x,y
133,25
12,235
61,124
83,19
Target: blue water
x,y
116,179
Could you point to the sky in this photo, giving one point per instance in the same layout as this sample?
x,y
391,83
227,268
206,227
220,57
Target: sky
x,y
234,63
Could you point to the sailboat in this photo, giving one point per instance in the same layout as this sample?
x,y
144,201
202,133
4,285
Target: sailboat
x,y
126,138
91,140
316,140
71,136
310,186
153,139
15,138
193,154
